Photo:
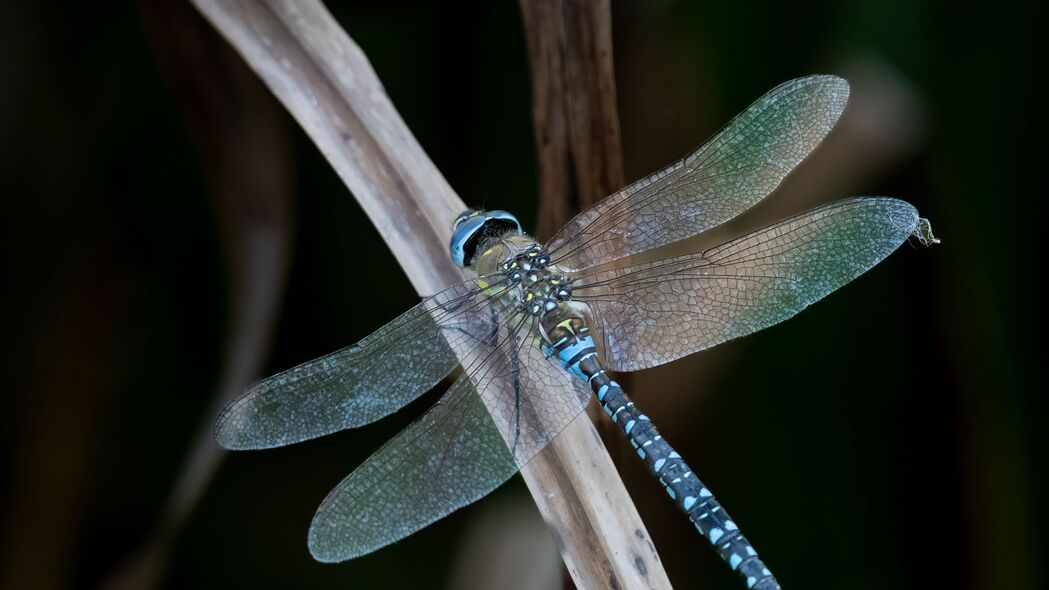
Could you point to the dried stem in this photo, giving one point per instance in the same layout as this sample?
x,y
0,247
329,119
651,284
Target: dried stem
x,y
575,115
573,106
327,84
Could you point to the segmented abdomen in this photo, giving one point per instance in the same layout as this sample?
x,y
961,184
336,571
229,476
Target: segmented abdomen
x,y
577,353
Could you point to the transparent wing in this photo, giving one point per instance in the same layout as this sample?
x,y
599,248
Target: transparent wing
x,y
364,382
457,452
653,313
734,170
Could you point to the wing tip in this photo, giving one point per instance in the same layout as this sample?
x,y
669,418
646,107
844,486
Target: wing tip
x,y
230,426
836,91
233,428
831,82
902,217
232,443
319,554
223,432
321,549
828,95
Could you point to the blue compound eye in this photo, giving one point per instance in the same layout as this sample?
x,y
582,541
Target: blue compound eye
x,y
464,216
463,244
473,227
504,218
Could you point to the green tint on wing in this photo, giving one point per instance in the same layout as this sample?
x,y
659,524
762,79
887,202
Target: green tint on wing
x,y
653,313
734,170
364,382
507,405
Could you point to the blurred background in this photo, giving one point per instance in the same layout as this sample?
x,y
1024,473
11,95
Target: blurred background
x,y
170,234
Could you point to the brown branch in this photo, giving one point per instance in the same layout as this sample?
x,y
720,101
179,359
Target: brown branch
x,y
574,108
576,120
327,84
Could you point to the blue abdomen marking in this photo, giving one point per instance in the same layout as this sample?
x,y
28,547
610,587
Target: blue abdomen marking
x,y
677,479
577,353
573,353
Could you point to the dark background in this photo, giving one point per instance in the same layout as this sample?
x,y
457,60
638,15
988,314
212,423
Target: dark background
x,y
886,438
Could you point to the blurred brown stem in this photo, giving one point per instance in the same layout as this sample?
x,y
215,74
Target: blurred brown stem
x,y
576,120
327,84
244,141
574,108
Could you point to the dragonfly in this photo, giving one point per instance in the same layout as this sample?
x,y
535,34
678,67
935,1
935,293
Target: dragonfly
x,y
537,325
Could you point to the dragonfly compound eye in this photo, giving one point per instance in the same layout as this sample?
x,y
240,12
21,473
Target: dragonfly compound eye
x,y
474,231
464,216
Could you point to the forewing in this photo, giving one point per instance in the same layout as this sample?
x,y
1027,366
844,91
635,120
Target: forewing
x,y
657,312
735,169
504,409
364,382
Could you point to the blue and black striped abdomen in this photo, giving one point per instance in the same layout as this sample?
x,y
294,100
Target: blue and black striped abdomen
x,y
687,491
576,351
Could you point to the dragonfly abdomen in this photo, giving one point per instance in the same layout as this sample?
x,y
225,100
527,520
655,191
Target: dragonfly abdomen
x,y
576,350
571,341
682,485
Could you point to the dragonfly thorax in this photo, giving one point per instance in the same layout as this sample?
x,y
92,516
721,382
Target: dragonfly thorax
x,y
544,295
539,287
527,279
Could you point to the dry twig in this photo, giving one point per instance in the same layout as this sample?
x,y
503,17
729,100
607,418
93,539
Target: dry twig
x,y
325,81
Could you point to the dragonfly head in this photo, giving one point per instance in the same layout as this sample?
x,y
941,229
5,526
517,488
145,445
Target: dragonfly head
x,y
473,227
